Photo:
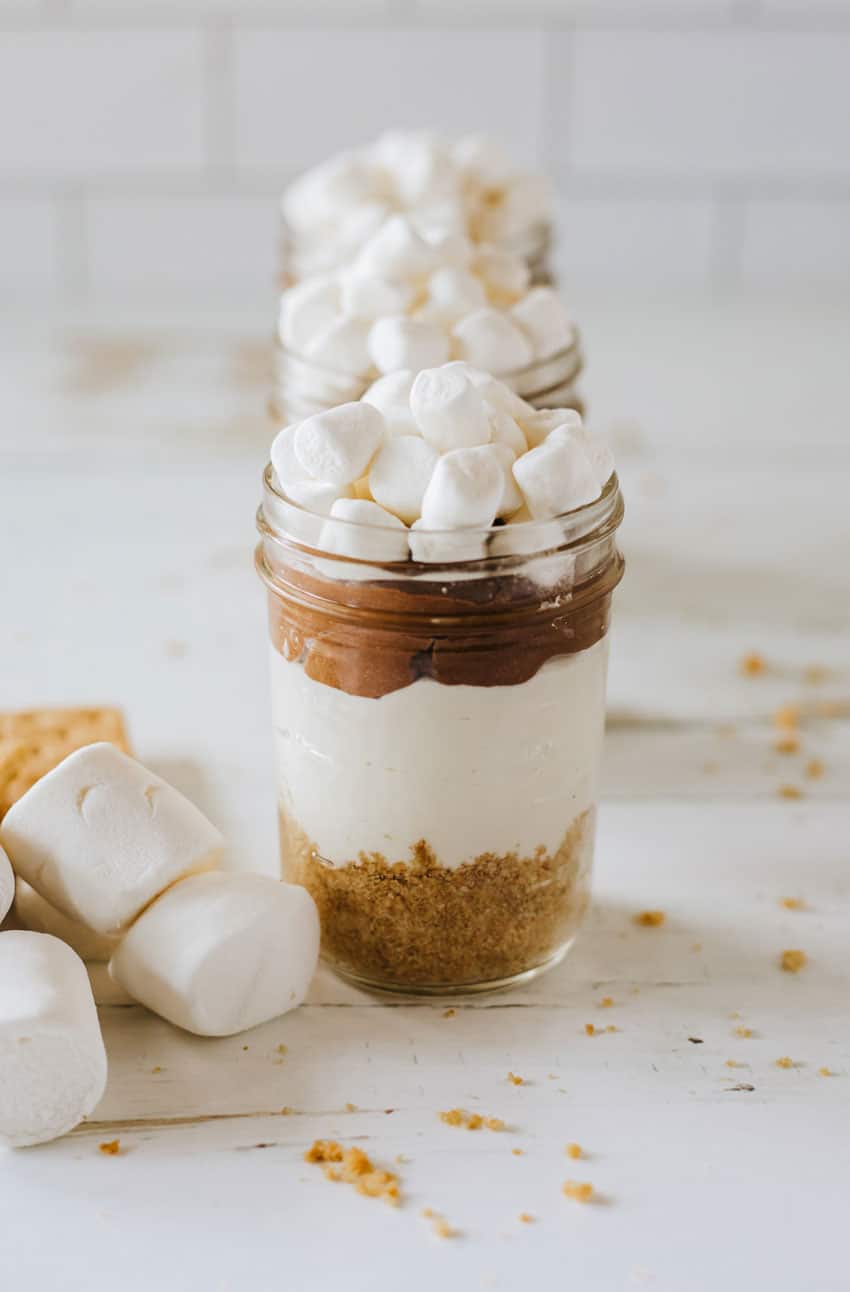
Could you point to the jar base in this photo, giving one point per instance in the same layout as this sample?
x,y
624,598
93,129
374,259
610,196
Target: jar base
x,y
454,990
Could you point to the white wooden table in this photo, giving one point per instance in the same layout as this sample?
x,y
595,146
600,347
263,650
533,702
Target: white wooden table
x,y
129,466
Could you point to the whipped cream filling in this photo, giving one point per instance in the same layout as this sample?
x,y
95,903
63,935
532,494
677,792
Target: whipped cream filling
x,y
470,770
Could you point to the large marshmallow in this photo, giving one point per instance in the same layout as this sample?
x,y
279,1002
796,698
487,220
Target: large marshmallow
x,y
337,445
448,409
391,396
100,836
52,1059
400,342
400,473
306,310
39,916
544,320
465,490
556,477
343,346
367,532
7,885
220,953
489,339
397,251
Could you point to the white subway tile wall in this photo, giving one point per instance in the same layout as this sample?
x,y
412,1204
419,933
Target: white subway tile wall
x,y
701,144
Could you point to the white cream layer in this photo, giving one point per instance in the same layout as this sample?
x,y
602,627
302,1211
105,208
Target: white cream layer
x,y
470,769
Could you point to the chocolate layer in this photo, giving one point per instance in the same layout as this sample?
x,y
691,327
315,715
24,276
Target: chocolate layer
x,y
372,638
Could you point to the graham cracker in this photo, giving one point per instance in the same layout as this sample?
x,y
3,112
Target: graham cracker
x,y
34,741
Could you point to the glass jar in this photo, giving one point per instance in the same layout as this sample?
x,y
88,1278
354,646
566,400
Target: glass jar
x,y
303,387
438,730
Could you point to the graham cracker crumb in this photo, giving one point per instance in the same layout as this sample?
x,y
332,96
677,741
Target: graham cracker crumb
x,y
789,744
744,1031
785,1062
156,1069
731,1063
612,1028
518,1152
574,1151
787,718
752,665
286,1111
793,961
443,1229
650,919
790,792
356,1168
280,1049
579,1191
815,769
515,1080
351,1108
792,903
825,1072
526,1217
606,1002
471,1121
589,1029
415,921
110,1147
449,1013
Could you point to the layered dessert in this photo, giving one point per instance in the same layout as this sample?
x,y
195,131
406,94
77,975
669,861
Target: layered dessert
x,y
466,185
408,301
438,629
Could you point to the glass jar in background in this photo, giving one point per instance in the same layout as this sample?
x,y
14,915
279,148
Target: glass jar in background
x,y
438,729
303,387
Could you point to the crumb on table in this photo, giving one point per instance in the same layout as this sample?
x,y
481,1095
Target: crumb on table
x,y
793,903
574,1151
518,1152
793,961
589,1029
752,665
787,744
578,1190
355,1168
526,1217
815,769
790,792
515,1080
744,1031
110,1147
650,919
787,718
825,1072
606,1002
471,1121
785,1062
449,1013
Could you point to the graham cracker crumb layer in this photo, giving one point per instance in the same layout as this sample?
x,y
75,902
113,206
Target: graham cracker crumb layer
x,y
421,924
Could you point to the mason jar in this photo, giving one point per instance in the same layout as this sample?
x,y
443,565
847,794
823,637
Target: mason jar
x,y
303,386
438,729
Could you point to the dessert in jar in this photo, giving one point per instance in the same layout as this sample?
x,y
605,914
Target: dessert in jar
x,y
439,592
467,185
409,301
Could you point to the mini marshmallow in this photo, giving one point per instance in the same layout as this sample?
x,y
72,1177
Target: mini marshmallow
x,y
338,445
596,447
52,1059
39,916
490,340
505,276
391,396
365,297
372,534
306,310
318,496
544,320
400,473
220,953
100,836
396,251
452,294
443,548
538,424
448,409
7,885
498,395
400,342
504,430
556,477
511,499
465,489
343,346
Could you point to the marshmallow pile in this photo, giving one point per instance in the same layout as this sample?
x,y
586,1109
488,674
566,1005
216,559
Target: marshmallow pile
x,y
408,300
468,185
425,462
111,861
